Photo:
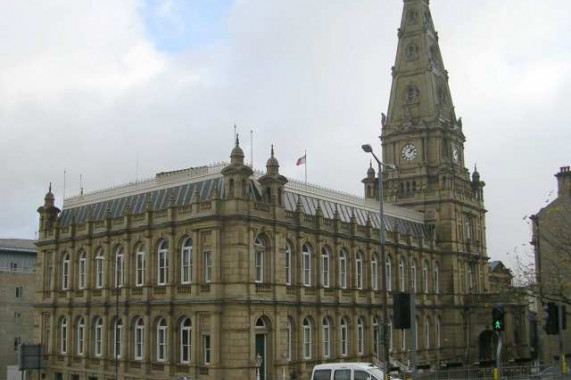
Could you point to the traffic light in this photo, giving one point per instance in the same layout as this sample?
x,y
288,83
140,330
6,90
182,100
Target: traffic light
x,y
401,310
550,318
498,318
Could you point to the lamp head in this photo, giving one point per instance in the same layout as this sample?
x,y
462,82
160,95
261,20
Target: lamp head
x,y
367,148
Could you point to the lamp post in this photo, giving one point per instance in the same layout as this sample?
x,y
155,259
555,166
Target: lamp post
x,y
367,148
116,313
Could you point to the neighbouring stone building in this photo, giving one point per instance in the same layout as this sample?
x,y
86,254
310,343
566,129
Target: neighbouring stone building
x,y
551,239
18,289
212,271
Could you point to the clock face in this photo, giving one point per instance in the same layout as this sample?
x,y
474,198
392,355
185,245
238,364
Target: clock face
x,y
456,154
409,152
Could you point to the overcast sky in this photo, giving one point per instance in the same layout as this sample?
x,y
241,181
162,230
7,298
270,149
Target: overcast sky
x,y
115,90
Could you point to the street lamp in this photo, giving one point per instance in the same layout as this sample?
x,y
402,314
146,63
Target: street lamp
x,y
116,313
367,148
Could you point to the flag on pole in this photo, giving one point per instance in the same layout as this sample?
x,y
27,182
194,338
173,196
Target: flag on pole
x,y
301,160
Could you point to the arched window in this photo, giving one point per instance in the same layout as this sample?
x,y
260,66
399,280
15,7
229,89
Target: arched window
x,y
65,272
307,338
162,263
306,251
98,337
186,261
140,265
260,253
343,337
288,264
80,336
326,338
359,270
374,272
401,275
63,335
325,260
99,268
119,267
436,278
389,274
82,270
117,337
414,275
425,275
343,269
185,340
162,340
427,333
139,339
289,339
360,336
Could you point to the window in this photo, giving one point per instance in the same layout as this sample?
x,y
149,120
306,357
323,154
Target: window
x,y
306,265
117,335
186,262
206,349
98,337
19,291
119,267
389,275
99,269
438,332
342,374
140,266
289,339
325,259
362,375
403,341
307,338
63,335
425,275
376,336
288,264
413,274
427,334
13,266
162,340
322,374
359,270
259,251
163,263
65,272
401,275
326,338
139,339
436,278
343,270
374,272
469,278
207,266
343,336
360,336
80,336
185,340
82,270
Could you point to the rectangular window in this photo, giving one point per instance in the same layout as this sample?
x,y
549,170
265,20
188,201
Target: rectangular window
x,y
140,269
306,270
207,267
206,349
306,342
325,272
162,269
259,266
139,340
161,343
13,266
186,269
81,273
98,339
99,272
19,291
119,270
118,332
326,340
288,268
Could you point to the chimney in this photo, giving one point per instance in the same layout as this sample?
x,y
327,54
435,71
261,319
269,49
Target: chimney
x,y
564,182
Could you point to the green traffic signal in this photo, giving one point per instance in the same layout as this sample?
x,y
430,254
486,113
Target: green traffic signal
x,y
498,318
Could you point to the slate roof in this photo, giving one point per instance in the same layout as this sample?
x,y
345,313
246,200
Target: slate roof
x,y
160,195
18,245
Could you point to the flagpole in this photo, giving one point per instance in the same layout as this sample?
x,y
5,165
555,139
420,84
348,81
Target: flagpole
x,y
305,155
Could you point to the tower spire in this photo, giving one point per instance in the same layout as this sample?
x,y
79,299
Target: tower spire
x,y
420,91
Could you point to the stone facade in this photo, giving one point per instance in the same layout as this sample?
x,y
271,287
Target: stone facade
x,y
212,271
552,243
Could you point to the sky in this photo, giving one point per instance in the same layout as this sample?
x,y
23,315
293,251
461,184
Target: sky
x,y
115,91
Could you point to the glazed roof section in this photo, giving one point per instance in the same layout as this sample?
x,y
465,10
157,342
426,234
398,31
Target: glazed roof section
x,y
180,187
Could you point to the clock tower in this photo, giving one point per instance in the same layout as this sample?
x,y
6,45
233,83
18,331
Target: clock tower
x,y
423,137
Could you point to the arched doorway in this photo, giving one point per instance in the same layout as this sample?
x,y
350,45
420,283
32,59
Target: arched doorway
x,y
262,334
488,342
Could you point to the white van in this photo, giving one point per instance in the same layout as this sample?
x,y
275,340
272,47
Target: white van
x,y
346,371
